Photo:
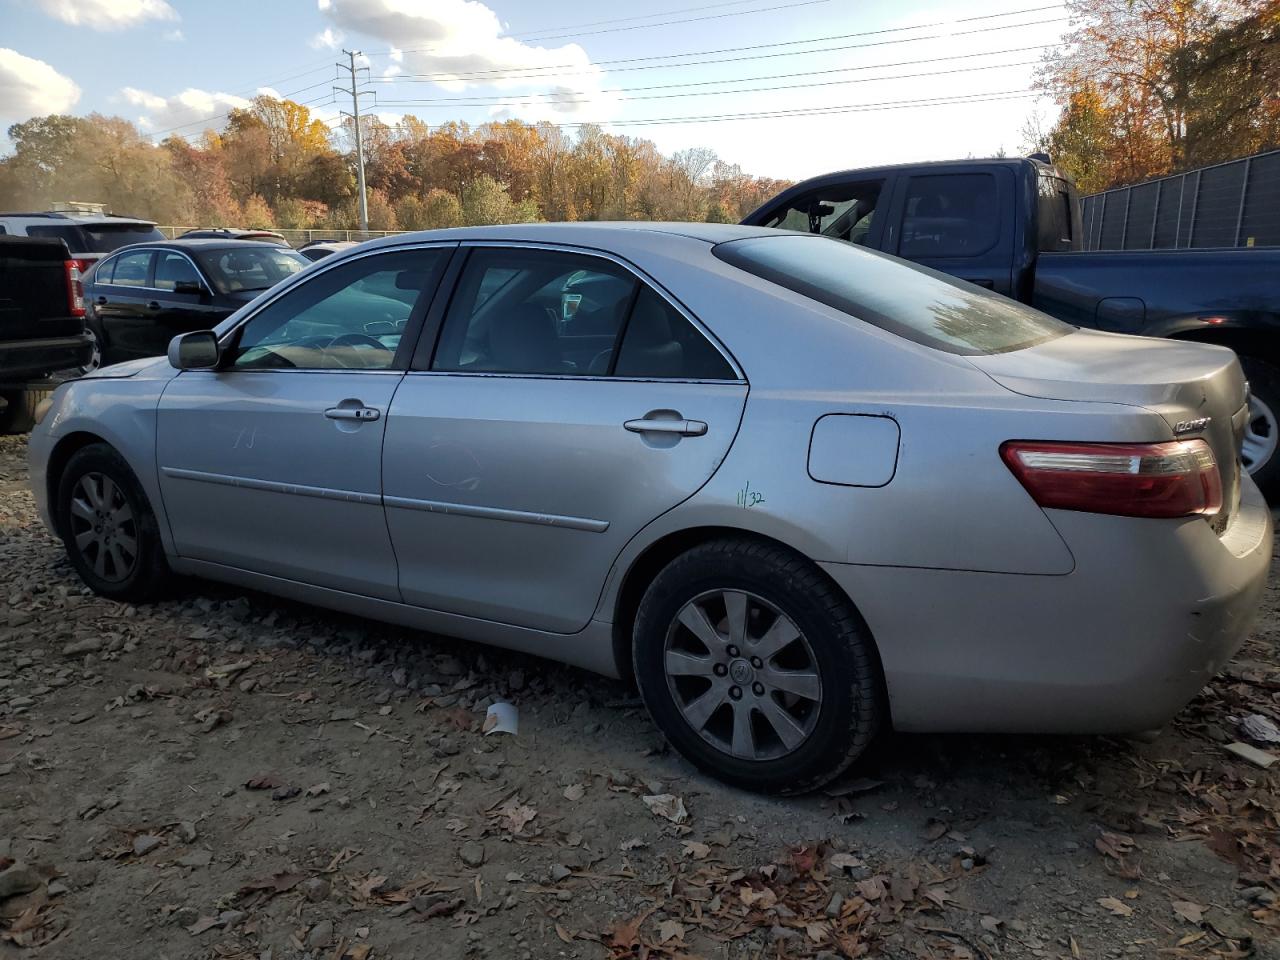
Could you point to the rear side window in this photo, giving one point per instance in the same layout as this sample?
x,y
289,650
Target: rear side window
x,y
913,302
950,215
105,237
1053,208
660,342
70,235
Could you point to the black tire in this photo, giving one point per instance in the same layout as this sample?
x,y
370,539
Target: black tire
x,y
19,413
148,575
851,708
1264,387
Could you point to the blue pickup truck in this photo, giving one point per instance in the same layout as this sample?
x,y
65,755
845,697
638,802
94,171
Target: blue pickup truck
x,y
1013,226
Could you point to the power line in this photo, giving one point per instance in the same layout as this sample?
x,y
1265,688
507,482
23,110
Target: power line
x,y
645,16
507,73
315,101
570,98
669,23
472,100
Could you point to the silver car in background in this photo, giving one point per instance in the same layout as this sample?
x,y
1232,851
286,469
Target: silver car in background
x,y
798,490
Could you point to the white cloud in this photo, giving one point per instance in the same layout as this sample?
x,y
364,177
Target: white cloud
x,y
108,14
328,38
190,107
174,36
456,39
30,87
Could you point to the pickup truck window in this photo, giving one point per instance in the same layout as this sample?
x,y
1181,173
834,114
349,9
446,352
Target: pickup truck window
x,y
843,212
913,302
1053,209
949,215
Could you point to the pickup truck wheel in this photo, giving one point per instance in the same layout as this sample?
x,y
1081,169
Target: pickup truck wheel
x,y
19,413
95,356
108,526
1260,451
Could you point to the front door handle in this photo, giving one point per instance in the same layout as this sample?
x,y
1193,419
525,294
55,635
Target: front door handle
x,y
100,301
680,428
153,305
352,413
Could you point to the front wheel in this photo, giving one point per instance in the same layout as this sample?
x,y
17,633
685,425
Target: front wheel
x,y
1261,445
108,527
755,666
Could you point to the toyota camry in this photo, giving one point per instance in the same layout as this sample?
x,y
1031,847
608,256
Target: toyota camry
x,y
797,490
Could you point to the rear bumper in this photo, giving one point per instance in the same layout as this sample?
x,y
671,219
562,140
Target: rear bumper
x,y
28,359
1152,610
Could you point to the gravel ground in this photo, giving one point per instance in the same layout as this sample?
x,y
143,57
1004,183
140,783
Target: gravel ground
x,y
230,775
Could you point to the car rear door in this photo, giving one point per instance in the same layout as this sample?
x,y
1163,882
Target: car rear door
x,y
567,404
121,291
272,462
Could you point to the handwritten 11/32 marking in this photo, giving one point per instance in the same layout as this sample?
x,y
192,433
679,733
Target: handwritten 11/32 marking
x,y
748,498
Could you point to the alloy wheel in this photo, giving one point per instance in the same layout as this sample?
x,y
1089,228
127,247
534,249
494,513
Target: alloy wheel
x,y
1261,436
103,527
742,675
95,355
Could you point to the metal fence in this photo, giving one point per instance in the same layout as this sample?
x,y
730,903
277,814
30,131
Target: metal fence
x,y
1232,204
297,238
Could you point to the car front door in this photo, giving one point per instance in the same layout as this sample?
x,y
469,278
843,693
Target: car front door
x,y
567,404
184,297
272,462
121,293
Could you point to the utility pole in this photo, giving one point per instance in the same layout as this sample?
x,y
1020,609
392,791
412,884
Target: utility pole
x,y
355,115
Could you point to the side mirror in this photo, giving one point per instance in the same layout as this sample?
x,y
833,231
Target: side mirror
x,y
189,286
194,351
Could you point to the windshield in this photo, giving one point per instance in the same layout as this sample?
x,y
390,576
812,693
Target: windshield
x,y
242,268
913,302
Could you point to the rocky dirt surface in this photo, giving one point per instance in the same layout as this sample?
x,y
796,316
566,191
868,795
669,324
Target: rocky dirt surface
x,y
228,775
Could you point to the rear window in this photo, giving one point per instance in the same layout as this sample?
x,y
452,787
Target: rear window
x,y
1053,208
913,302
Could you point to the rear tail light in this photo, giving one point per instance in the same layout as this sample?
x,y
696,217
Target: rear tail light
x,y
75,287
1179,478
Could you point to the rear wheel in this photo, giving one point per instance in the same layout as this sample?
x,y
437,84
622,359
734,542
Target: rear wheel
x,y
19,413
756,667
1260,450
108,526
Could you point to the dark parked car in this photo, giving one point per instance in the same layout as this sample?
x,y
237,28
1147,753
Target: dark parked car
x,y
319,249
1013,226
41,325
235,233
140,297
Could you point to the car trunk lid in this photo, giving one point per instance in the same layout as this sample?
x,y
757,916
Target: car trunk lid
x,y
1197,389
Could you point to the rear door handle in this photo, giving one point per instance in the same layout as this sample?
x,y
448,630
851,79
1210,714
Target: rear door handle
x,y
153,305
681,428
100,301
352,413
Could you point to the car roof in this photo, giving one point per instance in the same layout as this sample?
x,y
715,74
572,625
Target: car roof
x,y
82,218
203,243
584,232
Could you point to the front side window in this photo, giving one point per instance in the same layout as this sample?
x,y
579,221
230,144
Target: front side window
x,y
913,302
132,269
172,268
950,215
249,269
844,212
352,316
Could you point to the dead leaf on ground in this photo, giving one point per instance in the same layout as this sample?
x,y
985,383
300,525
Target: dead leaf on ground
x,y
265,781
513,816
934,829
667,806
694,850
1117,907
574,792
669,930
1188,911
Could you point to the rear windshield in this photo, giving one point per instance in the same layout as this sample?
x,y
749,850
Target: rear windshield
x,y
98,237
911,301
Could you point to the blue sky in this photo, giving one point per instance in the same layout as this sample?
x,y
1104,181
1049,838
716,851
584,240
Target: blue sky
x,y
170,65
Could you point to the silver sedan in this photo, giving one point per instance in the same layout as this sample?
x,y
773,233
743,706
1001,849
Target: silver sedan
x,y
797,490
